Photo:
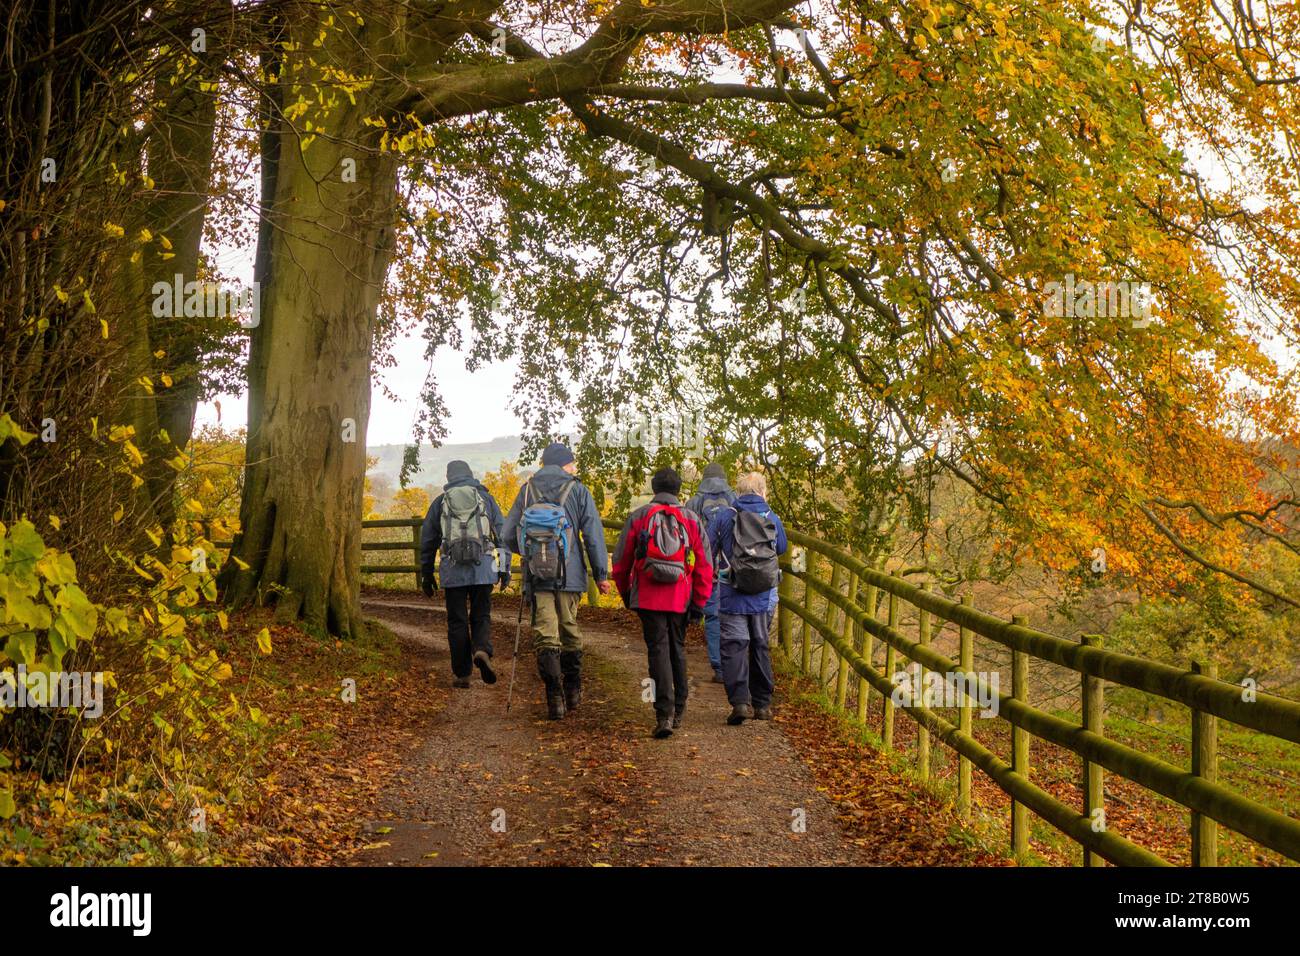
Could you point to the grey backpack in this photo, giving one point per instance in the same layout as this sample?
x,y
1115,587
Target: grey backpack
x,y
466,534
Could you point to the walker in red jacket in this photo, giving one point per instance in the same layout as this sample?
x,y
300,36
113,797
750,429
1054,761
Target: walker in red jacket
x,y
659,539
664,572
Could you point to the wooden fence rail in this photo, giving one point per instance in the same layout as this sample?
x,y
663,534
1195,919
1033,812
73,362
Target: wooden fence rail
x,y
849,625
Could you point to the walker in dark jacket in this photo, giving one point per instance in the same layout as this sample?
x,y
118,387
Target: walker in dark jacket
x,y
556,637
745,619
712,494
467,587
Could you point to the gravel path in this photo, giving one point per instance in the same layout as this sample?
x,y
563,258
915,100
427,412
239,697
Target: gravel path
x,y
490,788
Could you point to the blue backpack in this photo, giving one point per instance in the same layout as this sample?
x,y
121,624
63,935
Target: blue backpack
x,y
544,530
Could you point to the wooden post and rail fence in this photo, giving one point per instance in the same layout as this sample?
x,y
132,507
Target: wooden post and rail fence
x,y
852,597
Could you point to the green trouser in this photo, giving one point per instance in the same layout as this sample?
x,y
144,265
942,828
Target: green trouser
x,y
555,621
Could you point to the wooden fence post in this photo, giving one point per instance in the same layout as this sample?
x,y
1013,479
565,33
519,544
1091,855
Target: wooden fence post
x,y
805,647
1019,747
966,661
867,650
415,549
1205,764
786,592
922,734
887,720
837,577
849,633
1093,781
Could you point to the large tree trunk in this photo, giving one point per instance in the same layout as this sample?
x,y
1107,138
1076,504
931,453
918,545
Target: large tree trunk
x,y
180,163
323,255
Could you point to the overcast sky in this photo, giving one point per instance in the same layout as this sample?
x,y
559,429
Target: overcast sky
x,y
478,402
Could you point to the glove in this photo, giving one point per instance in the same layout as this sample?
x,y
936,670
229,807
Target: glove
x,y
503,579
427,583
694,614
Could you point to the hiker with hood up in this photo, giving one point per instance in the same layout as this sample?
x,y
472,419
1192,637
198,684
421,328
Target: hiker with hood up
x,y
663,572
747,539
553,520
712,495
463,529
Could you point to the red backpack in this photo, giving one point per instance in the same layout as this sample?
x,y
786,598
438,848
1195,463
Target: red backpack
x,y
663,546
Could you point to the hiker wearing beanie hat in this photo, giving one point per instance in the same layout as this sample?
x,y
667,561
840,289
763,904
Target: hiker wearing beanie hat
x,y
664,573
463,528
712,495
552,523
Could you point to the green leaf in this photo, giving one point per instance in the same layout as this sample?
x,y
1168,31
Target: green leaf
x,y
21,647
9,429
57,567
79,612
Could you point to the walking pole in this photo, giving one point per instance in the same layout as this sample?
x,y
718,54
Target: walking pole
x,y
514,658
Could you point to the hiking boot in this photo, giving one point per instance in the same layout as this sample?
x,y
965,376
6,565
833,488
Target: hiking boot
x,y
739,714
718,678
763,713
677,718
461,682
555,705
483,661
664,728
548,668
571,666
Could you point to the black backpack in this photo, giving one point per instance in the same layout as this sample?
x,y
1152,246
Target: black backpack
x,y
753,566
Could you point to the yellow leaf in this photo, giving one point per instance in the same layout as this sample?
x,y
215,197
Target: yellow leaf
x,y
222,619
264,641
55,523
103,327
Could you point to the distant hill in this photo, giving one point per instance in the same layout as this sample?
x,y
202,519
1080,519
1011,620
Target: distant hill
x,y
481,456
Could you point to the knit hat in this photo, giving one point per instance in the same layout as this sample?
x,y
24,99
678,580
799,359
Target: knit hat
x,y
457,470
715,470
557,453
666,480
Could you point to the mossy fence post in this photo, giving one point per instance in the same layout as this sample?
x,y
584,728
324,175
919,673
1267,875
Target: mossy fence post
x,y
1205,764
1019,747
1094,803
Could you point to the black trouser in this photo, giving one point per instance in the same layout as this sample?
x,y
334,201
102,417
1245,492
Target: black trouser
x,y
665,642
469,625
